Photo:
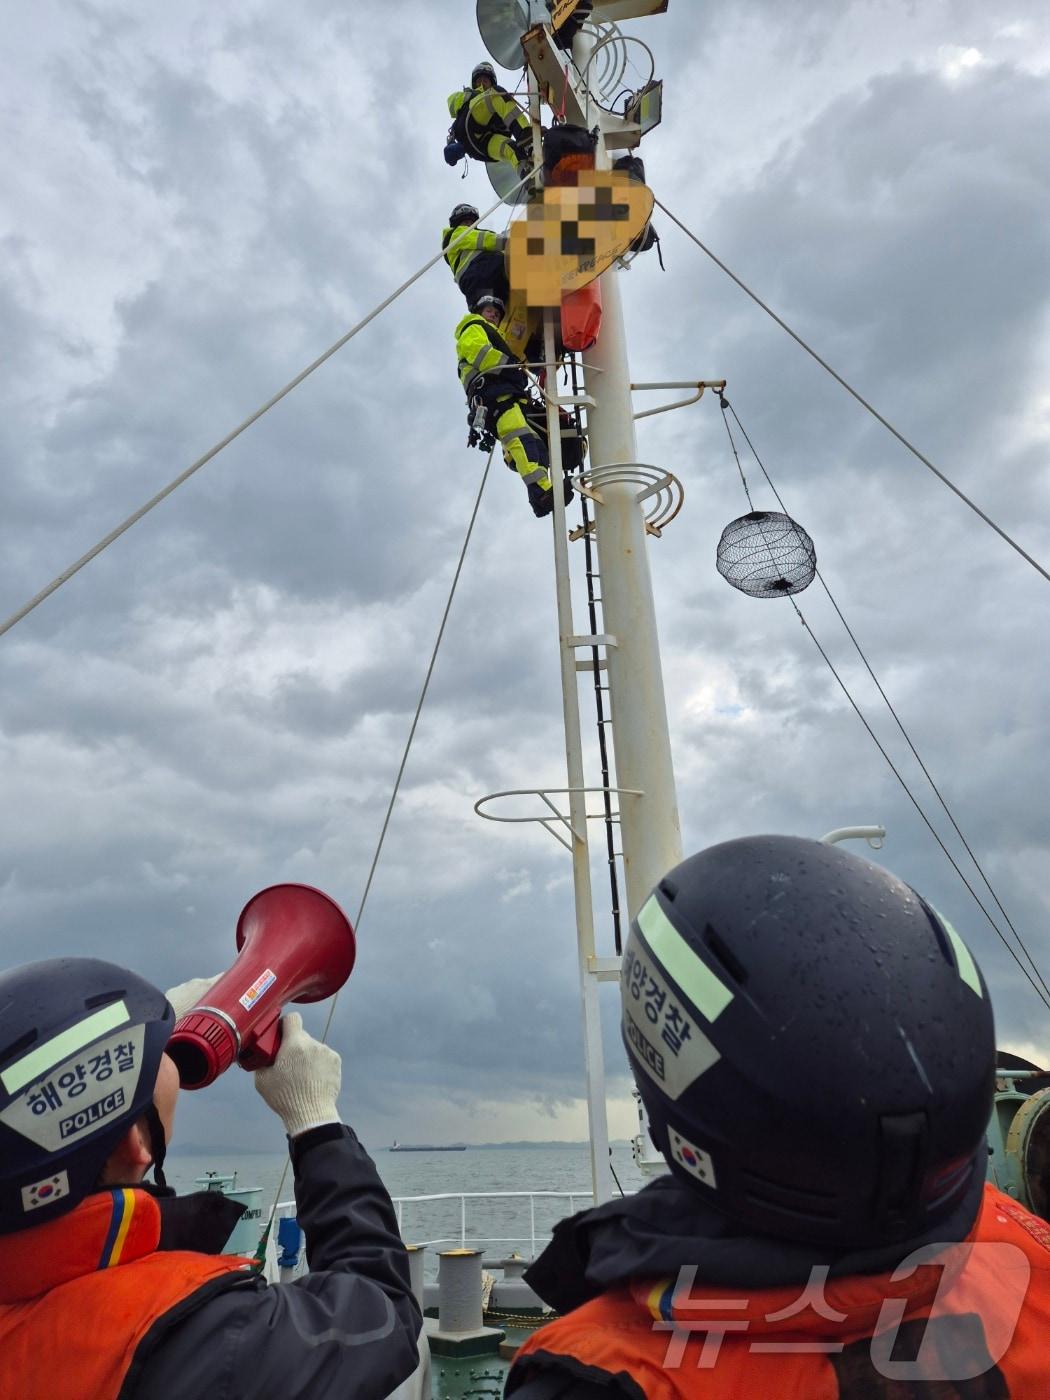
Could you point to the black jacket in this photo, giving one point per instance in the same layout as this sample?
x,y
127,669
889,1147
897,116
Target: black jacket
x,y
348,1328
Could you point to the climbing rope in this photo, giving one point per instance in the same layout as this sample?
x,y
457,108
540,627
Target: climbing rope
x,y
136,516
859,397
1042,989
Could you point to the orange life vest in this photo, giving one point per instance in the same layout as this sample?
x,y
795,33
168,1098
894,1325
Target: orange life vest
x,y
78,1295
975,1323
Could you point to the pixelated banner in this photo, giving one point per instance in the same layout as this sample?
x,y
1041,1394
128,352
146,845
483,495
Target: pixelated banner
x,y
575,233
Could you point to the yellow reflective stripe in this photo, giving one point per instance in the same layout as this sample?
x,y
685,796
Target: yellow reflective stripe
x,y
463,263
701,986
514,434
463,254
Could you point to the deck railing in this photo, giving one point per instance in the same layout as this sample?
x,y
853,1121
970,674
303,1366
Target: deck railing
x,y
462,1232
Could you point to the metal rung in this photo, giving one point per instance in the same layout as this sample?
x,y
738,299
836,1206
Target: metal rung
x,y
591,666
599,639
568,400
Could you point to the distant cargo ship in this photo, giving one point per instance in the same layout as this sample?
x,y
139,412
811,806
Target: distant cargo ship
x,y
426,1147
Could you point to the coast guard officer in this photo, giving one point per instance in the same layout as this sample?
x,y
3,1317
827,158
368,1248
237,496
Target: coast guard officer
x,y
111,1288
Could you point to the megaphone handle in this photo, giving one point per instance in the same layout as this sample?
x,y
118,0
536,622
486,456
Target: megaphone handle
x,y
263,1044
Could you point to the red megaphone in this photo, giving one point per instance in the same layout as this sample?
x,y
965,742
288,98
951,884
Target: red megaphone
x,y
294,944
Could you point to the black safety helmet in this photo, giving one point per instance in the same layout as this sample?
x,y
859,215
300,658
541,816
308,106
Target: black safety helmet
x,y
812,1041
80,1048
489,299
463,214
482,70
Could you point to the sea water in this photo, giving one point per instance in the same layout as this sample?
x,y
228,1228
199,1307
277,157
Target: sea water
x,y
497,1226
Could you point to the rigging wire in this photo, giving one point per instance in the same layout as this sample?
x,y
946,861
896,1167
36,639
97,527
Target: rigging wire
x,y
136,516
878,685
1041,988
914,801
401,770
415,718
859,397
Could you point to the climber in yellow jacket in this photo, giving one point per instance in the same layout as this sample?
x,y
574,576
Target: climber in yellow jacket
x,y
476,257
497,389
487,124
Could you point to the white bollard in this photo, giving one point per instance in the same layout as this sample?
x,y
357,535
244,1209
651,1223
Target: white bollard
x,y
459,1290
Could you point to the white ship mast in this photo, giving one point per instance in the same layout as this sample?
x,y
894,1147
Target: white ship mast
x,y
619,488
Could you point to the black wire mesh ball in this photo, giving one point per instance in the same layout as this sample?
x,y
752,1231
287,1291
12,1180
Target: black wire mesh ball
x,y
767,555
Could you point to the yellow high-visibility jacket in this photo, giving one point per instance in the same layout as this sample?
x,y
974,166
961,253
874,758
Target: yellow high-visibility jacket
x,y
481,350
488,111
471,243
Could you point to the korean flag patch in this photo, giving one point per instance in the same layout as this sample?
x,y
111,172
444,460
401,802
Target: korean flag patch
x,y
43,1193
695,1160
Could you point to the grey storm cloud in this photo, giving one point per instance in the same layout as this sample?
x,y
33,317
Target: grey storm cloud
x,y
200,202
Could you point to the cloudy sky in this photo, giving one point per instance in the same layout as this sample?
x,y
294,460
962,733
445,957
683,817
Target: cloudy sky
x,y
197,201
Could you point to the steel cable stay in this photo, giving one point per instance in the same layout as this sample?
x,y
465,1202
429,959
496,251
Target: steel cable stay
x,y
933,831
400,774
856,395
1038,981
133,519
896,718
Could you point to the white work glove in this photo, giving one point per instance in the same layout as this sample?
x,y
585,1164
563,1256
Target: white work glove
x,y
302,1084
187,994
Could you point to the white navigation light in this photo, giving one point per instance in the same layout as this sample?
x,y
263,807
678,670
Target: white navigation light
x,y
503,22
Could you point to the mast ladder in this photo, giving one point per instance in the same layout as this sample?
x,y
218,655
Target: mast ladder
x,y
598,666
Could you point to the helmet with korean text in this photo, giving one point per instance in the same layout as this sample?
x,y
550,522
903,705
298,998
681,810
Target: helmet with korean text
x,y
812,1041
80,1050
